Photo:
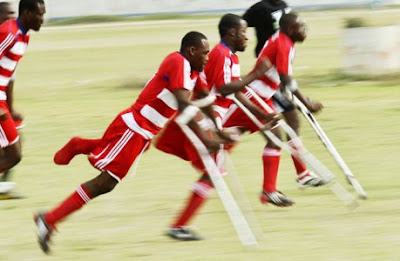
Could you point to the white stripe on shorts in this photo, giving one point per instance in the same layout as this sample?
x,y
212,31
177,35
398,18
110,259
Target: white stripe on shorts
x,y
115,150
3,138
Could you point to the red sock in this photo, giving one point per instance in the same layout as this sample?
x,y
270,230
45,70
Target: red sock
x,y
201,190
300,166
74,147
74,202
271,159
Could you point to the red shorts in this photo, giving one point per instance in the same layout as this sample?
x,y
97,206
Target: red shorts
x,y
235,117
173,141
8,132
118,149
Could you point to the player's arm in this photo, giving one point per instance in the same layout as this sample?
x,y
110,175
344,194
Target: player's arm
x,y
205,101
262,66
268,118
10,101
290,84
187,112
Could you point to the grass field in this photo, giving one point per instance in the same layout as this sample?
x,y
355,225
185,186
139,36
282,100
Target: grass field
x,y
74,80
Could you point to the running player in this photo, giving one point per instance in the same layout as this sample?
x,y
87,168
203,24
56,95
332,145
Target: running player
x,y
132,130
264,16
14,38
280,50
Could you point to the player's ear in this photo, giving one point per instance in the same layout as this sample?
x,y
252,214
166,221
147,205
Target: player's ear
x,y
192,50
232,32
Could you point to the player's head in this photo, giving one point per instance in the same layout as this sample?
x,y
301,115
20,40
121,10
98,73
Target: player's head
x,y
31,14
274,2
6,12
233,31
293,26
195,49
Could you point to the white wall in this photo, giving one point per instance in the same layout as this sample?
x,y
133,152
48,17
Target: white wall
x,y
71,8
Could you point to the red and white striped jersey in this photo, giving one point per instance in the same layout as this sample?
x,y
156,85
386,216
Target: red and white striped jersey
x,y
13,42
156,104
279,49
222,68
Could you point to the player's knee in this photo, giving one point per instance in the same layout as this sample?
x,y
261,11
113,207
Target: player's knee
x,y
106,184
107,187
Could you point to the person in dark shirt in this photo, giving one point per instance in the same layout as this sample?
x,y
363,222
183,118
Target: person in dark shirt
x,y
265,16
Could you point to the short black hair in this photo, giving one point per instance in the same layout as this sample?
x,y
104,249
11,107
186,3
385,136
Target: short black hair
x,y
288,20
228,21
192,38
2,4
30,5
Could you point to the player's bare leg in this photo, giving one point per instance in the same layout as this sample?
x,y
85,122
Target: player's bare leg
x,y
46,221
9,157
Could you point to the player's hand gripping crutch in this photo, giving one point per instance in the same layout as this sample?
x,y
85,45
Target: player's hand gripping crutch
x,y
329,146
302,154
238,220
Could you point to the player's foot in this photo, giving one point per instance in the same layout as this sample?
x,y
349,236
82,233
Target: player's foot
x,y
309,179
183,233
43,232
68,152
276,198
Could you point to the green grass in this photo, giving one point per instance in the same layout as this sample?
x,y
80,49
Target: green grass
x,y
73,81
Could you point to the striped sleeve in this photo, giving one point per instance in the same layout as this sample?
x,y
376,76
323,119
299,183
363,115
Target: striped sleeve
x,y
6,39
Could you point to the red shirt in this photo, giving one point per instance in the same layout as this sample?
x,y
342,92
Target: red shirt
x,y
279,49
13,42
222,68
156,104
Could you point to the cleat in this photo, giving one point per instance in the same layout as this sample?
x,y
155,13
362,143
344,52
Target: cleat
x,y
309,179
276,198
183,233
43,233
6,187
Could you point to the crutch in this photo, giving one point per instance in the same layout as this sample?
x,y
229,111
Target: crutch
x,y
329,146
302,154
238,220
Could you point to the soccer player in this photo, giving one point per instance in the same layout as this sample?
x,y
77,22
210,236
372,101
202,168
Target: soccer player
x,y
280,50
14,38
265,16
132,130
223,77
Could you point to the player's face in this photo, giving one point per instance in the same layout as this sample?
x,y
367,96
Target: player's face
x,y
241,36
36,17
6,13
200,57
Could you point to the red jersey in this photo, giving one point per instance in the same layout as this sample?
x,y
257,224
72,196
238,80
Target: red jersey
x,y
222,68
156,104
279,49
13,42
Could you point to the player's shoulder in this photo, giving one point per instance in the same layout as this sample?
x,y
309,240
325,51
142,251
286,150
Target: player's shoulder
x,y
284,40
175,56
220,50
9,27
